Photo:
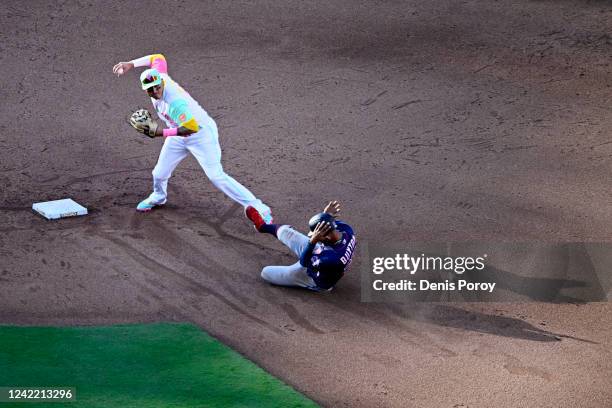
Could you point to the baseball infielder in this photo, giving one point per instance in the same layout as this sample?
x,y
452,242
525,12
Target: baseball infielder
x,y
323,258
189,129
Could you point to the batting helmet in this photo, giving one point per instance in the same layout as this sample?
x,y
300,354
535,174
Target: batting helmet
x,y
321,217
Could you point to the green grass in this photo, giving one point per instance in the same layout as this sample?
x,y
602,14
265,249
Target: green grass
x,y
151,365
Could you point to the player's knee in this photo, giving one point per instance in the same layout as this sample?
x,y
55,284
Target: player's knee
x,y
287,234
283,231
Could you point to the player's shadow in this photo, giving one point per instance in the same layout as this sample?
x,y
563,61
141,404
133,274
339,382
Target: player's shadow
x,y
539,289
509,284
444,315
560,274
506,326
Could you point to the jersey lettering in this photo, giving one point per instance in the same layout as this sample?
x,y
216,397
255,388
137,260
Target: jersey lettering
x,y
348,254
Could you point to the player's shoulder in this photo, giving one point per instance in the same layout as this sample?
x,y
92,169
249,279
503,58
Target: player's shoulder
x,y
168,81
172,90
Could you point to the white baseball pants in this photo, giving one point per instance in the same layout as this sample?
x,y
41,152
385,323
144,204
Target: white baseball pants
x,y
291,275
204,146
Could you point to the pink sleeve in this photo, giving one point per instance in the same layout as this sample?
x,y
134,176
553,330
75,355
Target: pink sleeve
x,y
158,62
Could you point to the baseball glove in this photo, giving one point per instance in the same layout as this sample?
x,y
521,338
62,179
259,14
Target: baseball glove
x,y
142,121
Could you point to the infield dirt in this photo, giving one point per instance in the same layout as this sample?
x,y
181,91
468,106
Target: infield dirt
x,y
428,120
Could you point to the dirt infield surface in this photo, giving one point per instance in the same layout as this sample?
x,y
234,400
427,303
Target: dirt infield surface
x,y
429,120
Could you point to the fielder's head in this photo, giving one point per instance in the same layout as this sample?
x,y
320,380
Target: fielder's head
x,y
151,81
332,235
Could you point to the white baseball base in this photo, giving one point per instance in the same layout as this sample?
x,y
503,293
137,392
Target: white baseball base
x,y
53,210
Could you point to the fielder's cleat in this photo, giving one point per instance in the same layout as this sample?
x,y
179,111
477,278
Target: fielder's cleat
x,y
146,205
255,217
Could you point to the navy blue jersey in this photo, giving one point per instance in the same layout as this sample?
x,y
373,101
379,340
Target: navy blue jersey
x,y
326,263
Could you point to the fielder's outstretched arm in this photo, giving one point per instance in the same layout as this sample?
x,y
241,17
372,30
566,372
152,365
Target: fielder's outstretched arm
x,y
157,61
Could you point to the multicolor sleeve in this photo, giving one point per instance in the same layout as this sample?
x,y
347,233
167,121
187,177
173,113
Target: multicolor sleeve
x,y
180,114
157,61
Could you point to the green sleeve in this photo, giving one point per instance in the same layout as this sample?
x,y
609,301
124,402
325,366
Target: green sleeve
x,y
179,111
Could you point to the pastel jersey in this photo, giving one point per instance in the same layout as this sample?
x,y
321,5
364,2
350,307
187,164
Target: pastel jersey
x,y
326,264
176,107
